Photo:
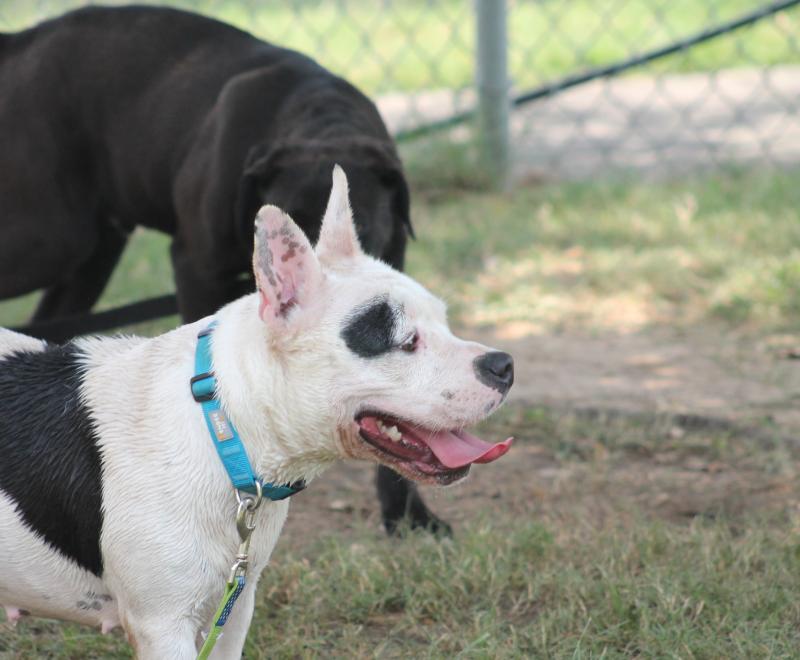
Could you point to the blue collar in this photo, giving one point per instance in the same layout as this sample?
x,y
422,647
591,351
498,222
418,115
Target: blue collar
x,y
223,434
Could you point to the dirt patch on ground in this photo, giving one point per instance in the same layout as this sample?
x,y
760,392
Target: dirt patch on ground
x,y
718,414
703,371
593,490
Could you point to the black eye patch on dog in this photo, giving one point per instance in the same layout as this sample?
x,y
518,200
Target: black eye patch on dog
x,y
370,329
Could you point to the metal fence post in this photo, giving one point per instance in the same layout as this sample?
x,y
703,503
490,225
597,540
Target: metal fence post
x,y
492,83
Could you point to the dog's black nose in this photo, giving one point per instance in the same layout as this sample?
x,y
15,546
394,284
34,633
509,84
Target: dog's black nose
x,y
495,370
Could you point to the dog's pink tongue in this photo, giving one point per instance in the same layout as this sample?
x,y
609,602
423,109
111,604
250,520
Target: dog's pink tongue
x,y
457,449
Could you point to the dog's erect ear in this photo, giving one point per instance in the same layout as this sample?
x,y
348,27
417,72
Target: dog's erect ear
x,y
286,269
337,237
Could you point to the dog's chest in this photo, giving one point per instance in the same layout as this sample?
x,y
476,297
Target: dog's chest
x,y
219,553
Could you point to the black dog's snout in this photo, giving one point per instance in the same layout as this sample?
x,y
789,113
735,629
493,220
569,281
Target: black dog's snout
x,y
495,370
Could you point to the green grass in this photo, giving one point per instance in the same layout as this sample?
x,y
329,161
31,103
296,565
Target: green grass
x,y
412,45
626,254
590,572
502,591
511,590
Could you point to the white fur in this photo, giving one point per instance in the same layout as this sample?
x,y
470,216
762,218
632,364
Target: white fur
x,y
290,386
11,342
37,579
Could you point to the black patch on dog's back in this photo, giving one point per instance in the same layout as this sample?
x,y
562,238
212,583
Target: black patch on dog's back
x,y
49,457
370,329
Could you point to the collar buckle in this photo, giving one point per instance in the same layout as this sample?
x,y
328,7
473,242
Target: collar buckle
x,y
201,391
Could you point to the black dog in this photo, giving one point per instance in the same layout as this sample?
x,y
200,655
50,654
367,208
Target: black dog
x,y
113,118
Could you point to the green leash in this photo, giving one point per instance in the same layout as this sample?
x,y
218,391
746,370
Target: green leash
x,y
245,524
232,591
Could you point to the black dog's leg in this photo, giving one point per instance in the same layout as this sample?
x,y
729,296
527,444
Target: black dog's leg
x,y
79,292
401,501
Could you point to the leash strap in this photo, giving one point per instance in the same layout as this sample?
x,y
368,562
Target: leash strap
x,y
232,592
226,439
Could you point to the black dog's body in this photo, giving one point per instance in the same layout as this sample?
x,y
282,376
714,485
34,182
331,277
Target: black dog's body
x,y
113,118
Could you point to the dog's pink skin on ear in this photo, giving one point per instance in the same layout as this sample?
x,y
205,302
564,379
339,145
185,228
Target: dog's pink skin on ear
x,y
284,265
337,237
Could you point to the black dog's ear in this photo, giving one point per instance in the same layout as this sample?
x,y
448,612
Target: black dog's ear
x,y
401,203
382,156
256,171
258,160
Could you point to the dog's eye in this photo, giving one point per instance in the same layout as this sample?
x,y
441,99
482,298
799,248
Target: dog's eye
x,y
409,345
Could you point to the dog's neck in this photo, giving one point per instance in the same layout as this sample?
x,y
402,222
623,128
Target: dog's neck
x,y
282,443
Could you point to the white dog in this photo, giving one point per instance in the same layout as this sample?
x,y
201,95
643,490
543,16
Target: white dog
x,y
115,507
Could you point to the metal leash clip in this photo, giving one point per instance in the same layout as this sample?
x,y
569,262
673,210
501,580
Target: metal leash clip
x,y
245,524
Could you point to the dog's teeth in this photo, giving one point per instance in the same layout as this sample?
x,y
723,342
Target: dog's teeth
x,y
391,432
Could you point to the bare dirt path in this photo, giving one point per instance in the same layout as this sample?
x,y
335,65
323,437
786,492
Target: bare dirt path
x,y
700,371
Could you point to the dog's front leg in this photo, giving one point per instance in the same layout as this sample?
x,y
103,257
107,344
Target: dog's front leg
x,y
157,637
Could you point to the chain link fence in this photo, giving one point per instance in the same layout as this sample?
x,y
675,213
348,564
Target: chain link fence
x,y
730,100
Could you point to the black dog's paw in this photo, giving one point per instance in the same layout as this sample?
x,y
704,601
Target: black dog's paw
x,y
423,519
403,509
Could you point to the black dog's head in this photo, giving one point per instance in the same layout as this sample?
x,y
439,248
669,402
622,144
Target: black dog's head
x,y
295,176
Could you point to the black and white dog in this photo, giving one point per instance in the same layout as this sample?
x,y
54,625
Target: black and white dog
x,y
114,506
117,117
